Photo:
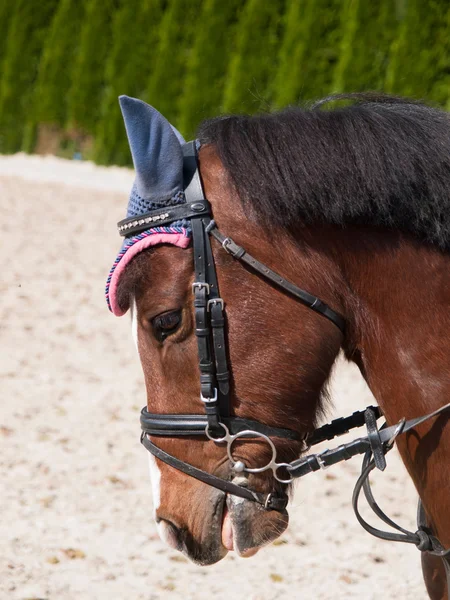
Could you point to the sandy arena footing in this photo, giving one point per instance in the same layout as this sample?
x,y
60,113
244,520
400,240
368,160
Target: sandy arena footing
x,y
75,499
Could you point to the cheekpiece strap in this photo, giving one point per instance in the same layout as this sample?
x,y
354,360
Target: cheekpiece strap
x,y
208,306
193,188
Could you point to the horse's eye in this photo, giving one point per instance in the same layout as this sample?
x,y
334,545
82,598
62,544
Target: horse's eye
x,y
165,324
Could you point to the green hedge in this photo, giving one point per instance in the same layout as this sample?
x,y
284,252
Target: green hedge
x,y
205,79
88,74
368,31
127,69
420,56
309,50
253,62
170,58
54,80
63,63
26,30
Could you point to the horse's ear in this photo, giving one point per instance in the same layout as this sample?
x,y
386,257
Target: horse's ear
x,y
156,150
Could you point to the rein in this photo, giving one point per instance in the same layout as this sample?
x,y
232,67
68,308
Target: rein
x,y
219,425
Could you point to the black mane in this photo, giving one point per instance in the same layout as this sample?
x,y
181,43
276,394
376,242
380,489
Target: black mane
x,y
383,161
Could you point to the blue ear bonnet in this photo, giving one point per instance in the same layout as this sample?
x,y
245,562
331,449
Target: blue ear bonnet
x,y
156,149
157,157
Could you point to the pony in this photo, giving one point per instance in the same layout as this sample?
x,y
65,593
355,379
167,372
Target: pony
x,y
353,205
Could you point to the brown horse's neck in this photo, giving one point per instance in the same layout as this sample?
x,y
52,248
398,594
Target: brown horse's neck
x,y
396,294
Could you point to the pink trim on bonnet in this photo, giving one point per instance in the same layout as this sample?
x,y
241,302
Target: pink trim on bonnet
x,y
176,239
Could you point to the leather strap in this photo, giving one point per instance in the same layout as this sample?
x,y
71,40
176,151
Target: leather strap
x,y
193,188
327,458
201,292
435,546
404,535
209,314
215,308
304,297
375,442
314,462
423,538
187,425
341,426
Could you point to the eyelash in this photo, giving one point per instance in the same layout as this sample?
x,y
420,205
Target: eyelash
x,y
166,324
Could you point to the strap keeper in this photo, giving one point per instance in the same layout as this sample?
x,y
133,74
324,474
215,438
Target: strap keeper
x,y
322,464
223,376
203,332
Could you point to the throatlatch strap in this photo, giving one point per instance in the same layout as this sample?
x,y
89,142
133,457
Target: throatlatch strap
x,y
306,298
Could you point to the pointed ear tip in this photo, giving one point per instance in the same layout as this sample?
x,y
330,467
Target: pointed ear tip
x,y
129,101
124,99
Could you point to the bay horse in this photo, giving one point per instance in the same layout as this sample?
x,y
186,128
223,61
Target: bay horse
x,y
353,206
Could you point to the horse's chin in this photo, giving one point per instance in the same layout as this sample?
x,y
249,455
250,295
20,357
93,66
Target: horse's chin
x,y
247,527
234,524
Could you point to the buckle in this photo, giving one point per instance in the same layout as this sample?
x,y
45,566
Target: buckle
x,y
208,400
320,460
215,301
225,244
200,285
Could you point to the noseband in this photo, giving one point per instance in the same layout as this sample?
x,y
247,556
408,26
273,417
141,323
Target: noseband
x,y
219,425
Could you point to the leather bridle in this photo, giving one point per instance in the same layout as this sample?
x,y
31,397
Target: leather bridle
x,y
218,423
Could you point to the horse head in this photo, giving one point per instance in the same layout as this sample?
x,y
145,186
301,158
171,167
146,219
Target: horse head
x,y
279,353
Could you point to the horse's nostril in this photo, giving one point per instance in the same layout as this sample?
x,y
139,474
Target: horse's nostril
x,y
169,533
170,524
